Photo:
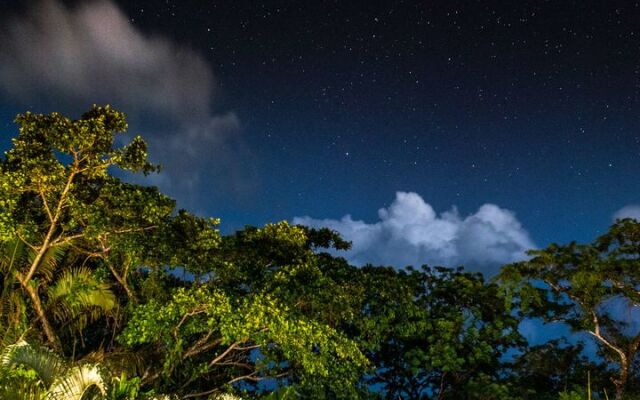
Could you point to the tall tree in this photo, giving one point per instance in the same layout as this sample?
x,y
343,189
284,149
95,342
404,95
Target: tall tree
x,y
76,241
583,286
252,319
436,333
56,193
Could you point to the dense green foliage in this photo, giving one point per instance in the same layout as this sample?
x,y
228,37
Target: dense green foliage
x,y
107,291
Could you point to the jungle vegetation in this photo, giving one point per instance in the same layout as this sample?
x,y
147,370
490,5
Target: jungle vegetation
x,y
108,291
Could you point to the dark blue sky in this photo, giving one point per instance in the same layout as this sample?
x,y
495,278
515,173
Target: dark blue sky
x,y
533,107
530,105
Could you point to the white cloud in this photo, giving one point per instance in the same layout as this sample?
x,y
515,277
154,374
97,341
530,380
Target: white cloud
x,y
630,211
410,232
93,53
57,58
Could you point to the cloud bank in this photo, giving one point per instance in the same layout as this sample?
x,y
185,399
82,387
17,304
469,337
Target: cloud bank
x,y
410,232
56,58
630,211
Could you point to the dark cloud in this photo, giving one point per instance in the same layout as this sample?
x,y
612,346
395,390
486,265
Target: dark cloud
x,y
410,232
64,59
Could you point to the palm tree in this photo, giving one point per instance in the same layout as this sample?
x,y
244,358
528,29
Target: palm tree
x,y
13,313
68,295
34,373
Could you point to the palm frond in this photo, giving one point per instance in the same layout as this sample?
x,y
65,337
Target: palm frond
x,y
13,320
13,316
50,261
22,390
10,253
119,361
77,382
55,379
16,255
77,298
47,365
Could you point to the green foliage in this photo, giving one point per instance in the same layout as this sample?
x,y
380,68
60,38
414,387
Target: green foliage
x,y
125,298
77,298
123,388
573,395
58,199
545,370
437,331
577,283
205,335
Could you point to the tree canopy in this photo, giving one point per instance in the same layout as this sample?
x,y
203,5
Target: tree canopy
x,y
583,285
108,291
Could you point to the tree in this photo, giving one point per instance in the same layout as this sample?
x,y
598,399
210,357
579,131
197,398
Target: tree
x,y
581,285
440,332
56,193
247,322
109,273
87,258
542,372
433,333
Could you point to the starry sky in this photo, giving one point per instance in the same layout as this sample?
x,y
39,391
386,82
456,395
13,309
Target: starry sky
x,y
523,115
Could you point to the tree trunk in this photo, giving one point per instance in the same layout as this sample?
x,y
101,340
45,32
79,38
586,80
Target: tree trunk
x,y
619,391
52,338
621,381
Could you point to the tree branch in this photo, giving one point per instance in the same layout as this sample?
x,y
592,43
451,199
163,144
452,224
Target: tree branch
x,y
184,318
598,335
52,227
201,345
224,354
45,203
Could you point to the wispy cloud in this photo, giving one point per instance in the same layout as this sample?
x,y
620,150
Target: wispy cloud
x,y
64,59
410,232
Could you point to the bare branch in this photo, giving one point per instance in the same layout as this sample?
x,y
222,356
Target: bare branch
x,y
45,203
223,354
598,335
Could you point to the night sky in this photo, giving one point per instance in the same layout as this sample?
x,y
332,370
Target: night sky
x,y
323,109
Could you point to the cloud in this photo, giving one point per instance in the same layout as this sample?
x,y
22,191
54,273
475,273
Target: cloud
x,y
630,211
65,59
410,232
